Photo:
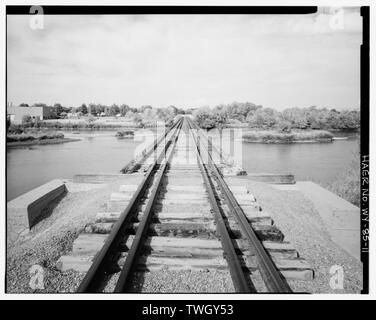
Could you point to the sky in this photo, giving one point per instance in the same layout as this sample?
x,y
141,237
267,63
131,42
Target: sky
x,y
277,61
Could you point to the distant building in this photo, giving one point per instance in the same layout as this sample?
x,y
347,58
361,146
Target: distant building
x,y
16,113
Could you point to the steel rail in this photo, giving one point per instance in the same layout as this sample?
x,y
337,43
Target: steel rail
x,y
150,148
93,277
241,283
271,276
137,243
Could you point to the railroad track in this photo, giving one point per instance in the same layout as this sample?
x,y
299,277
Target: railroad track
x,y
183,215
272,278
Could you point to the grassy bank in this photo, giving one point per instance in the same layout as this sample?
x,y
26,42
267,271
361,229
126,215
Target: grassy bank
x,y
30,137
266,136
60,125
16,140
87,123
347,184
125,134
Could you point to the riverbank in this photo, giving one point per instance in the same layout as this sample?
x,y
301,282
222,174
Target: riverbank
x,y
347,184
23,140
82,124
269,136
125,134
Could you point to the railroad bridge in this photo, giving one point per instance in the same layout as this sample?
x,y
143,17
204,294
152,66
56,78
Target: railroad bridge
x,y
178,216
178,212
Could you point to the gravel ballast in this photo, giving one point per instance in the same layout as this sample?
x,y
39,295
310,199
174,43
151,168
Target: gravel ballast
x,y
292,213
302,225
53,237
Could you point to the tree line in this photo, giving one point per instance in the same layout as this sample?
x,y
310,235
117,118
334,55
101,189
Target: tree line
x,y
143,116
222,115
258,117
146,112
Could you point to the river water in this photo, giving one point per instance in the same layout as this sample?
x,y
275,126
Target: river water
x,y
30,167
318,162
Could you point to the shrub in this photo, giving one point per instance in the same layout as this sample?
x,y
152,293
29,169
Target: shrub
x,y
284,126
204,119
15,129
26,119
19,137
30,137
126,133
51,136
347,184
273,136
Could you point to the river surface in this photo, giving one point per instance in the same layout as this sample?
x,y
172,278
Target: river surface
x,y
320,162
30,167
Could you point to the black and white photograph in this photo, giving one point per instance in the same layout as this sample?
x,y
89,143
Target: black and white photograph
x,y
186,150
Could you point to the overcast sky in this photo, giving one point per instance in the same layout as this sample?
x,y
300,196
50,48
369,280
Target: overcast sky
x,y
187,61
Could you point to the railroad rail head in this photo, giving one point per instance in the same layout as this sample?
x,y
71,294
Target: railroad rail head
x,y
215,186
95,274
271,276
